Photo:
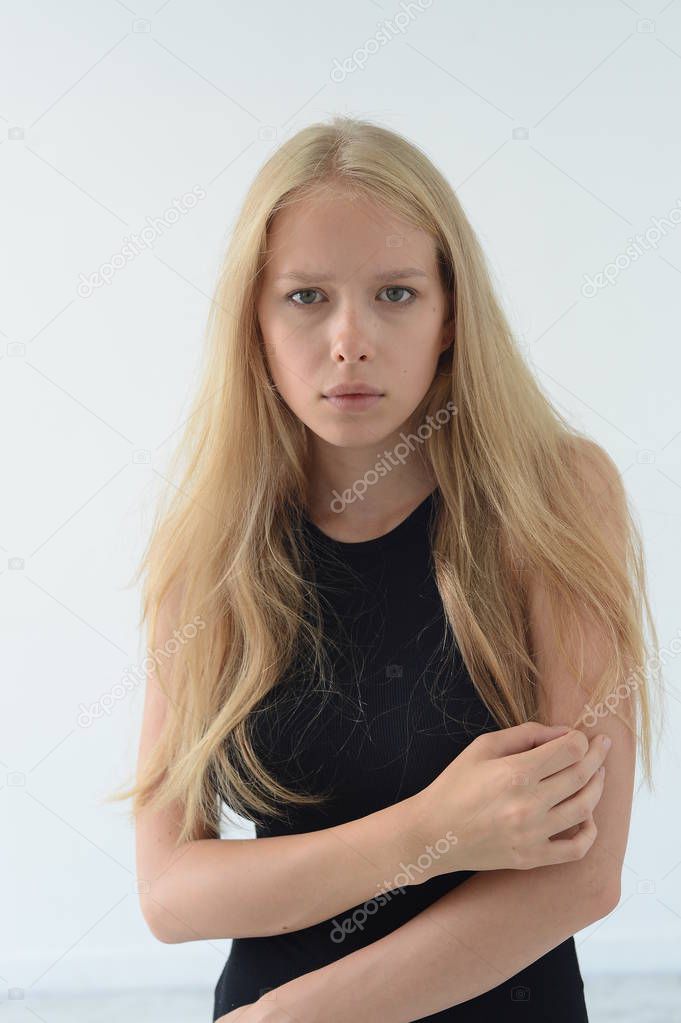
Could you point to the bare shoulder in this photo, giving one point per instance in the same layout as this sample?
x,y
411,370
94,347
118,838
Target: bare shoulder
x,y
601,482
604,497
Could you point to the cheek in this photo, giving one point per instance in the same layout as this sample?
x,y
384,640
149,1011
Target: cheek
x,y
280,340
415,357
294,353
295,369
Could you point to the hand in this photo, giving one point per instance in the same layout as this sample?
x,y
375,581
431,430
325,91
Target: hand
x,y
506,801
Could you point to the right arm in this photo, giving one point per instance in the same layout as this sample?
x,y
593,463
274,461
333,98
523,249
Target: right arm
x,y
225,888
210,887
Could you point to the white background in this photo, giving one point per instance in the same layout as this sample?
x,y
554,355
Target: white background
x,y
557,124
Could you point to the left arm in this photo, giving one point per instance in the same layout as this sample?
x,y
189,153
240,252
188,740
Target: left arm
x,y
497,922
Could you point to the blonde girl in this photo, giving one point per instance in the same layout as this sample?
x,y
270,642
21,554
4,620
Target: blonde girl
x,y
396,602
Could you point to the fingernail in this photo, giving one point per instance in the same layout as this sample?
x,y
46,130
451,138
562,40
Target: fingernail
x,y
601,770
607,741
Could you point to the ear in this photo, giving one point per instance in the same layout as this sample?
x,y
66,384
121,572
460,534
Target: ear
x,y
447,336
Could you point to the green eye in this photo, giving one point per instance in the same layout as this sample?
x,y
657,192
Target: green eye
x,y
303,291
315,291
397,287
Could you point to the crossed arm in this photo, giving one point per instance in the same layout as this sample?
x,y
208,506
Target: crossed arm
x,y
497,922
481,933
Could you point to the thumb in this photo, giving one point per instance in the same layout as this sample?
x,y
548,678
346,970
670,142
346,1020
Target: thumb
x,y
523,737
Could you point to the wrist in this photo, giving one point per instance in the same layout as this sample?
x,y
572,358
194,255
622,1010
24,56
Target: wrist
x,y
418,863
404,825
432,853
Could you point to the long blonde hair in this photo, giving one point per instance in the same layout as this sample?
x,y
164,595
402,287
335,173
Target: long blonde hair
x,y
226,544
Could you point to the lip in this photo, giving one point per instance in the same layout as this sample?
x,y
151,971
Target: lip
x,y
353,402
352,388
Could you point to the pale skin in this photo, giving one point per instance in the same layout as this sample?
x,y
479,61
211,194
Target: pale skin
x,y
362,323
552,847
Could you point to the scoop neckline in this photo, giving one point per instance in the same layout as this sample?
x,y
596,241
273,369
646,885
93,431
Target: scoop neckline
x,y
395,535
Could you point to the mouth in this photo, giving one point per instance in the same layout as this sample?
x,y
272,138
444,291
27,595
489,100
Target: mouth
x,y
354,394
352,389
354,402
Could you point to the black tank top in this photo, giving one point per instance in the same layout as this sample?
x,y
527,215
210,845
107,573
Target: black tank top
x,y
402,706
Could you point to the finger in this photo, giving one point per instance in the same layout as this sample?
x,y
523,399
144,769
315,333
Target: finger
x,y
577,808
518,738
562,850
560,786
567,833
554,755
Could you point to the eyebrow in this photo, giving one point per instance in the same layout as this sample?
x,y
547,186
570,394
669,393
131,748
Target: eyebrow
x,y
310,278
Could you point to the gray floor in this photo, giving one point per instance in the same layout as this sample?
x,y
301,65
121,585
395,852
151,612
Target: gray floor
x,y
633,999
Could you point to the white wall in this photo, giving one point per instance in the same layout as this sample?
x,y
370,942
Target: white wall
x,y
558,125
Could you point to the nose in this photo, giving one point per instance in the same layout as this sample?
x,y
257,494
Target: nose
x,y
351,342
341,354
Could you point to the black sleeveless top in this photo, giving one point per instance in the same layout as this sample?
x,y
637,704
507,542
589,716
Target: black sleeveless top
x,y
402,706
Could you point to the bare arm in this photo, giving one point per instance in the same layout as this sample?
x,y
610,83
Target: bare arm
x,y
498,922
471,940
225,888
228,888
481,933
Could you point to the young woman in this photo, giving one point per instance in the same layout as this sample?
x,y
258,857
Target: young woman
x,y
389,572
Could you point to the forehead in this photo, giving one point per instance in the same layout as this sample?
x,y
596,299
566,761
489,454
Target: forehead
x,y
333,231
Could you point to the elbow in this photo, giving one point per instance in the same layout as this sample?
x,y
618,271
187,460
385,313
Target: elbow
x,y
155,926
163,933
161,921
612,893
602,899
